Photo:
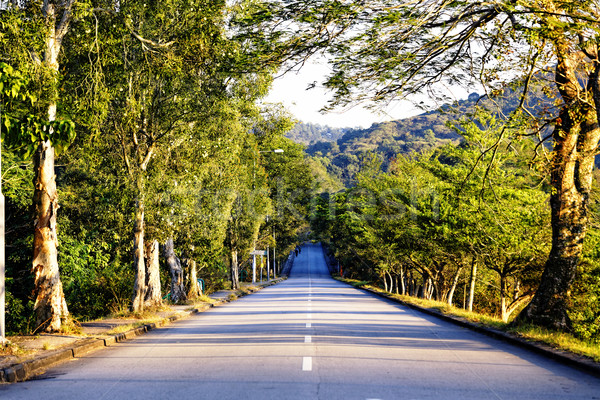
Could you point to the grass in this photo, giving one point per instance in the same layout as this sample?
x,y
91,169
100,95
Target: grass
x,y
559,340
247,289
127,327
13,349
205,299
198,301
146,314
71,327
124,328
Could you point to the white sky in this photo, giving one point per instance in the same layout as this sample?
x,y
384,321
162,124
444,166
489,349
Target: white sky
x,y
290,90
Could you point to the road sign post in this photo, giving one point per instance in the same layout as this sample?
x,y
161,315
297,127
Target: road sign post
x,y
255,253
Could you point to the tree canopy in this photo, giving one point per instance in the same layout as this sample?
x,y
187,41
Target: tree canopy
x,y
384,50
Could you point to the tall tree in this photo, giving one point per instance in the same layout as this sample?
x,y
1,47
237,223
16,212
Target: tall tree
x,y
154,68
290,179
250,207
37,32
383,50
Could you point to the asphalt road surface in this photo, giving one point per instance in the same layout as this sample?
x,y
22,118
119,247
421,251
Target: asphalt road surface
x,y
310,337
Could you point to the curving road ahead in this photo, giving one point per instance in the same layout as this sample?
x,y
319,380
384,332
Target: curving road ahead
x,y
310,337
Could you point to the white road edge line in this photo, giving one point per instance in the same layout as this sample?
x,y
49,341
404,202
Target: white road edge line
x,y
306,363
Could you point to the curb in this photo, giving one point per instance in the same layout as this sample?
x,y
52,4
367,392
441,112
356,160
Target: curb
x,y
25,370
582,363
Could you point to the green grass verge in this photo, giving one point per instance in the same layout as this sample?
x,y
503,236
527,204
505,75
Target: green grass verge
x,y
559,340
127,327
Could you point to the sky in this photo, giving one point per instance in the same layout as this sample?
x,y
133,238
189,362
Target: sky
x,y
290,90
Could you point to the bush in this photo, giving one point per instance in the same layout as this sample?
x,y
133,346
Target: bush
x,y
585,309
94,284
19,314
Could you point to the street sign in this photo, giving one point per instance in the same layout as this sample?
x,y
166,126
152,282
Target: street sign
x,y
258,253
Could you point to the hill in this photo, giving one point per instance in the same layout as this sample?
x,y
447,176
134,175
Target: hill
x,y
307,133
341,157
339,151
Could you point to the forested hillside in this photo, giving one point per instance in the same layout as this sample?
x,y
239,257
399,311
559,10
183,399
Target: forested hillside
x,y
307,133
342,157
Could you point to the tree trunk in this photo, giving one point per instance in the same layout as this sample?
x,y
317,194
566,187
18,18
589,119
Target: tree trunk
x,y
194,291
153,296
455,279
274,261
516,303
411,285
503,306
431,289
402,282
576,136
472,284
139,284
389,274
234,271
50,306
177,286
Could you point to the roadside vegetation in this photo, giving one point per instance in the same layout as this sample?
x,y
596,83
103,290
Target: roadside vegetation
x,y
448,225
381,52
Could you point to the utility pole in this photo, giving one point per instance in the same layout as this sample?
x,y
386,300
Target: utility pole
x,y
274,259
268,266
253,268
2,247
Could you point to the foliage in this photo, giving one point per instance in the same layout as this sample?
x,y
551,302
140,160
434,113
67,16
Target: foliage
x,y
164,96
585,307
94,285
382,51
291,181
22,130
419,226
166,110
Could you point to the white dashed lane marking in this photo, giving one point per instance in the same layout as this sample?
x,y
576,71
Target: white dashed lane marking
x,y
306,363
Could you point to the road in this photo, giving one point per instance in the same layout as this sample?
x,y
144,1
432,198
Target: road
x,y
310,337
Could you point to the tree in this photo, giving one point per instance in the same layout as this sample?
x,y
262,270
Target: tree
x,y
37,52
289,178
249,211
383,50
423,222
157,74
